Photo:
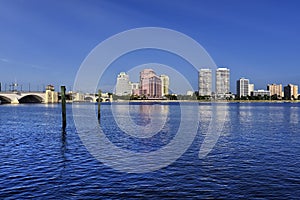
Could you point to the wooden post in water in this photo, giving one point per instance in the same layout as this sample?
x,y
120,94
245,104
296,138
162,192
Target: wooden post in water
x,y
99,103
63,107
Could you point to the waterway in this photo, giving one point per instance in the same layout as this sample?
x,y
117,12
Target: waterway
x,y
257,155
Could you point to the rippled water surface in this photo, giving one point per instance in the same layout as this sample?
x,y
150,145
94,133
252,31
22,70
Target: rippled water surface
x,y
257,155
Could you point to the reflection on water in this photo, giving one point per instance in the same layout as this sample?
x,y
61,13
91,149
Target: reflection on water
x,y
217,116
258,158
294,115
148,112
142,121
244,112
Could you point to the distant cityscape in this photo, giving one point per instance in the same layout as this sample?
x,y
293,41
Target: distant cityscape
x,y
244,89
150,86
153,86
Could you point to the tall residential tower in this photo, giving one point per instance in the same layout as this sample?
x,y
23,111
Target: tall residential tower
x,y
150,84
205,82
291,92
123,86
242,87
222,82
165,81
275,90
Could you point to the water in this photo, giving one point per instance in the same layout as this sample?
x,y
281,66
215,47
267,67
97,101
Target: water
x,y
257,155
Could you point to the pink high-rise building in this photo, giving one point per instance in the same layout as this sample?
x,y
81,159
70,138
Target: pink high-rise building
x,y
150,84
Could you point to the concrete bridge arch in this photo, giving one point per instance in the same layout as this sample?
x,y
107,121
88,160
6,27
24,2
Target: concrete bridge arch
x,y
95,98
31,98
16,98
5,99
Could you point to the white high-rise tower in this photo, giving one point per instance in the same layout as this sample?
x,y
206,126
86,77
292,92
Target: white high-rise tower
x,y
242,87
222,82
205,82
123,86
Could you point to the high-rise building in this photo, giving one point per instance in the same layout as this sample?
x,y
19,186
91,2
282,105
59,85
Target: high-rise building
x,y
123,86
275,89
242,87
291,92
135,88
222,82
164,84
150,84
251,88
205,82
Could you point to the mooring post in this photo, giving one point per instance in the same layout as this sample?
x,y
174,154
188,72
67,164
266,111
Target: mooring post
x,y
63,107
99,103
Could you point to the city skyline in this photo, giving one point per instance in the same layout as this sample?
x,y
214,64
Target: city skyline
x,y
45,42
150,85
205,84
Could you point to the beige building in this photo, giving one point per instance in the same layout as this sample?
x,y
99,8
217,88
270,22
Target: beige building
x,y
275,89
251,88
165,81
150,84
135,88
78,97
51,96
291,92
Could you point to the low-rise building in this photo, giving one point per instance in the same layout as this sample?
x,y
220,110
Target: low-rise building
x,y
78,97
51,96
189,93
262,93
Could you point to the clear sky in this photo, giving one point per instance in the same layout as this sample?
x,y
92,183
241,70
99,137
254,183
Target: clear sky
x,y
44,42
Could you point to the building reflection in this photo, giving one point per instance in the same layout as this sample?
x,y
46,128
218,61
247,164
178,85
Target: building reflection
x,y
294,115
212,112
150,111
141,120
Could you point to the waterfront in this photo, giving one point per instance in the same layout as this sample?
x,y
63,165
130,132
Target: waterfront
x,y
257,155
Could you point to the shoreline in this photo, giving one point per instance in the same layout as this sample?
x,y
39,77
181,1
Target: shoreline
x,y
169,101
201,101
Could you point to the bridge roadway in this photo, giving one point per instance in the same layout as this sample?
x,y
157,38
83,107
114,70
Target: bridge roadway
x,y
22,97
40,97
92,98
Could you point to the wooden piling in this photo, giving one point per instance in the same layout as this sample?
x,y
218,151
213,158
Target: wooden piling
x,y
63,107
99,103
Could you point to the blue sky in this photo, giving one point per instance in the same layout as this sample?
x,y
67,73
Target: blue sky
x,y
45,42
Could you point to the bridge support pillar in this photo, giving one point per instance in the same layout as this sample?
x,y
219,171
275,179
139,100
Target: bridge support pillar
x,y
15,101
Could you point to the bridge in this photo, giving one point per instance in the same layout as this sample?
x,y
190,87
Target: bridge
x,y
22,97
48,97
92,98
